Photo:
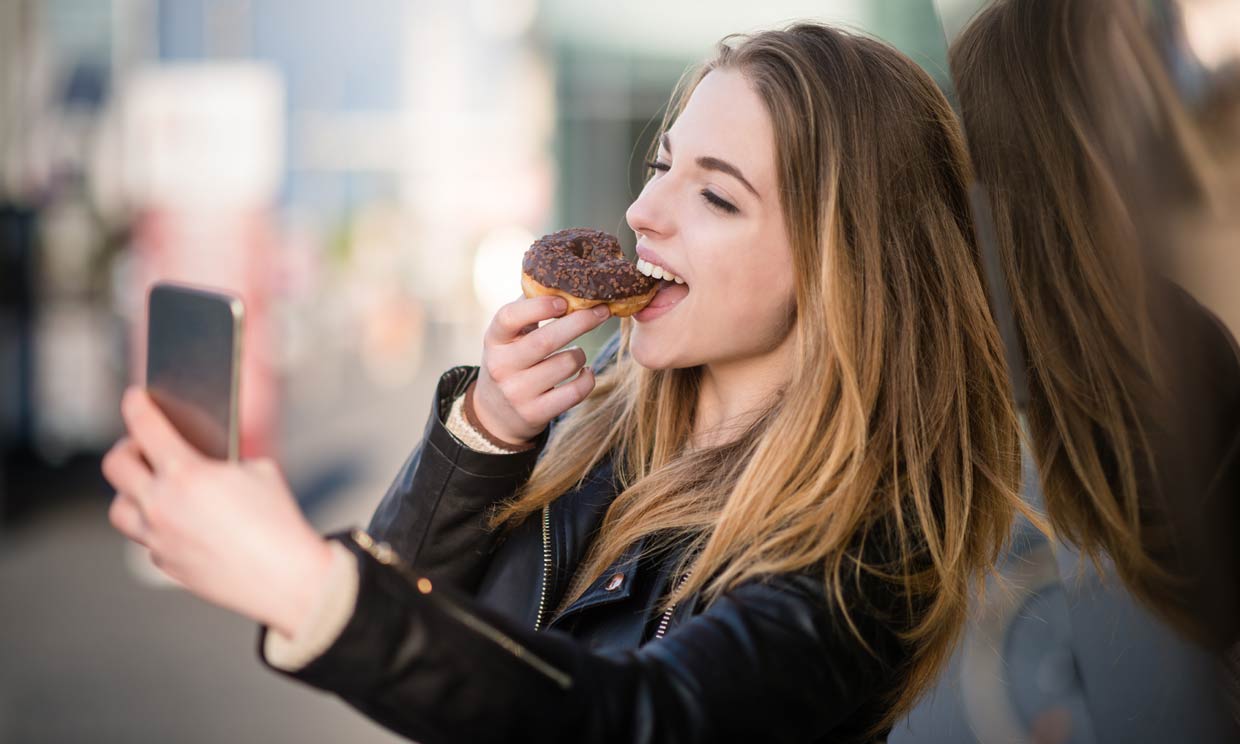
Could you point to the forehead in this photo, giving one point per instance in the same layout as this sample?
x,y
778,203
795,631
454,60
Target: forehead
x,y
726,119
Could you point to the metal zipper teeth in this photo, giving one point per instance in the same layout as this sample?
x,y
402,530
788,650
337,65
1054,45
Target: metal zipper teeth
x,y
667,616
546,577
383,553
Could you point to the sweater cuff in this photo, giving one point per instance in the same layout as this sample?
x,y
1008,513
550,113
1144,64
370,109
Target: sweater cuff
x,y
465,427
332,610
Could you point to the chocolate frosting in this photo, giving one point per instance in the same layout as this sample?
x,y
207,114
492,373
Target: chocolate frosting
x,y
585,263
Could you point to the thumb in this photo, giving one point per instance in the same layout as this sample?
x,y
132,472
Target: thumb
x,y
164,447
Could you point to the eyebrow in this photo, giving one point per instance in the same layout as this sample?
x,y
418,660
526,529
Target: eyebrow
x,y
712,163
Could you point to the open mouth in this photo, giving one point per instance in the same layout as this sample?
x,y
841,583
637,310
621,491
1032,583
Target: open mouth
x,y
672,289
669,295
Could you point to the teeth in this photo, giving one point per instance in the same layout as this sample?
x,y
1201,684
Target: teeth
x,y
657,272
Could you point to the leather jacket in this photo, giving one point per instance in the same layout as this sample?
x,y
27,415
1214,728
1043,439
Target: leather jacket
x,y
442,645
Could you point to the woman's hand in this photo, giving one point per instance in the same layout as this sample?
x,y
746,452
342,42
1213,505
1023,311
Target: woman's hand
x,y
229,532
516,396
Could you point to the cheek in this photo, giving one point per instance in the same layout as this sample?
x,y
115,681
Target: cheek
x,y
761,278
750,299
751,273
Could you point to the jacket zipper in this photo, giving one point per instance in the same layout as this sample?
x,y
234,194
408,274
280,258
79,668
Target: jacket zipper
x,y
546,576
667,616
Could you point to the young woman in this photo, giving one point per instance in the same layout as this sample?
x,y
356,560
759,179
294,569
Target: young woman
x,y
757,519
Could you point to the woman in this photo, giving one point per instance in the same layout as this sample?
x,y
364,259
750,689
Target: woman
x,y
763,519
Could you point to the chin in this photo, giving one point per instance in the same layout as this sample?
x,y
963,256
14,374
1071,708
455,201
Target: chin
x,y
648,353
646,357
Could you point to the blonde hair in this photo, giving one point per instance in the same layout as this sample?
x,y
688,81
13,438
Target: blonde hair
x,y
892,452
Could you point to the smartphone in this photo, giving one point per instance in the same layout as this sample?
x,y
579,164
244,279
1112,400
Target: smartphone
x,y
193,363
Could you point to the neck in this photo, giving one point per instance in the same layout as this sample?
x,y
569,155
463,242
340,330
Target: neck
x,y
733,393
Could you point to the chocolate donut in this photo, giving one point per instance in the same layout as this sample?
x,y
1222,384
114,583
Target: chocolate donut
x,y
587,268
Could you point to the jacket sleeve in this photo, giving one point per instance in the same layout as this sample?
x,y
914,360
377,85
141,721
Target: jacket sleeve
x,y
769,661
434,512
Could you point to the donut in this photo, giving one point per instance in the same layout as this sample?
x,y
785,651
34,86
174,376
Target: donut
x,y
587,268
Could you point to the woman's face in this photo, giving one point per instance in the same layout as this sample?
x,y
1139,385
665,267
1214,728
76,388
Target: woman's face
x,y
711,216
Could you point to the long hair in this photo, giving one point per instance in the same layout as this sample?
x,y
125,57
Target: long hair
x,y
1060,100
896,426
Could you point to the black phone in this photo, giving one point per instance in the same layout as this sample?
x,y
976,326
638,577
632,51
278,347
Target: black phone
x,y
193,363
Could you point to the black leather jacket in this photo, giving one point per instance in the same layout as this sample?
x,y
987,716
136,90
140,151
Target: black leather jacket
x,y
458,659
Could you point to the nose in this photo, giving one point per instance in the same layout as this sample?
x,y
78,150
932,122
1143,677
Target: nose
x,y
650,214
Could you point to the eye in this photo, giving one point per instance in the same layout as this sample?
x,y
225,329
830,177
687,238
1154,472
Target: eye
x,y
658,165
719,203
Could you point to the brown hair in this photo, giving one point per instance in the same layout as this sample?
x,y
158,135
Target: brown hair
x,y
896,427
1060,99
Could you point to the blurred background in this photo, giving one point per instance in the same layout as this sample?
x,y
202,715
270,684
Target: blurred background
x,y
366,175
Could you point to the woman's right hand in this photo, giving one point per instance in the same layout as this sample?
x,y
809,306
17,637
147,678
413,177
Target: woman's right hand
x,y
516,394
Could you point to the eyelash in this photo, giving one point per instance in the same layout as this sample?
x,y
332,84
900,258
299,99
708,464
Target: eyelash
x,y
716,201
710,197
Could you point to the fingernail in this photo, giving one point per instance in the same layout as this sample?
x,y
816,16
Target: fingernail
x,y
601,311
559,304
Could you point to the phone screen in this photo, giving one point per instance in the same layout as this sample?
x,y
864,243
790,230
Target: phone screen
x,y
193,363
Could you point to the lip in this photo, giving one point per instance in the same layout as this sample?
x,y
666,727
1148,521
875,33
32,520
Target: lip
x,y
647,254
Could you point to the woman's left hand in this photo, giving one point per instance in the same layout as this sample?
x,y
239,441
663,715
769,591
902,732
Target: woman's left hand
x,y
230,532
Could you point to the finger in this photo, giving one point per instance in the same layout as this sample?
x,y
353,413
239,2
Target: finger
x,y
511,319
265,466
159,441
126,517
537,345
548,373
558,400
162,565
126,471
